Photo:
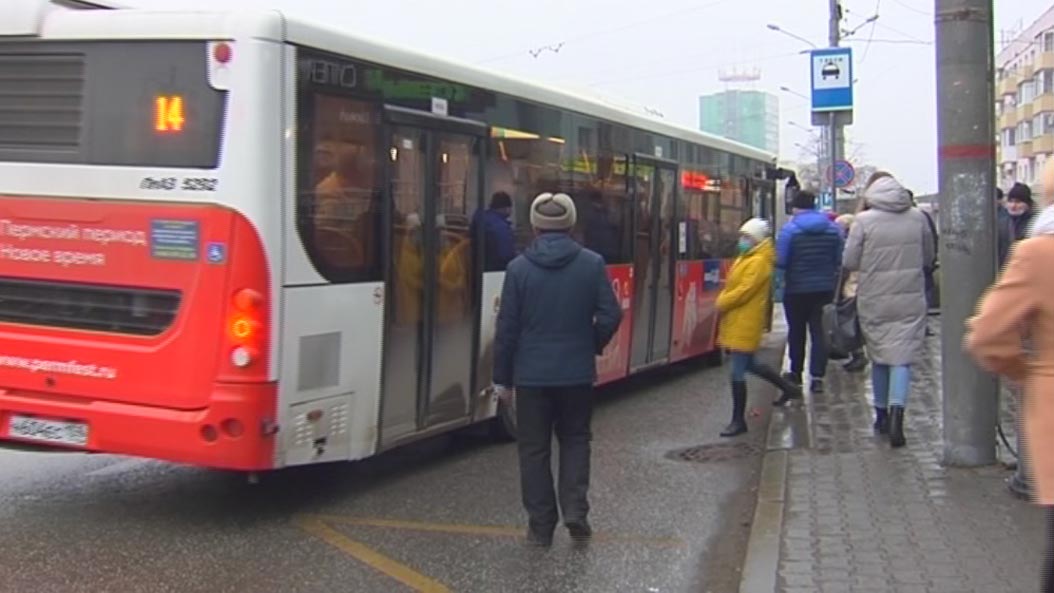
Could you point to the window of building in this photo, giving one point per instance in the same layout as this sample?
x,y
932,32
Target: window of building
x,y
1048,41
1037,125
339,207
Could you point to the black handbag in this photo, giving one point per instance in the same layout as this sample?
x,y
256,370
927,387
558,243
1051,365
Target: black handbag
x,y
841,327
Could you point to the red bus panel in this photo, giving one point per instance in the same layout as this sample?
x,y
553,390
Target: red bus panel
x,y
614,363
119,315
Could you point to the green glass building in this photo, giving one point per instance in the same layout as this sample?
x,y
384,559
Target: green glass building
x,y
750,117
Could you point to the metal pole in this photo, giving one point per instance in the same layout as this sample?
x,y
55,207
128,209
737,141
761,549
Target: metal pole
x,y
837,148
965,128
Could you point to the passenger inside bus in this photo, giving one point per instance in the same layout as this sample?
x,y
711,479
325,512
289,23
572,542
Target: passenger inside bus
x,y
345,230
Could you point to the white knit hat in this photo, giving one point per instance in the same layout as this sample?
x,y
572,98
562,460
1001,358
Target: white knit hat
x,y
756,228
553,212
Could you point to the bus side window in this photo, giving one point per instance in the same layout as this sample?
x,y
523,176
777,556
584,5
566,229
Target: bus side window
x,y
339,203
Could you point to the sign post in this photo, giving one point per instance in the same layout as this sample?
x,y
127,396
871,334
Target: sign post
x,y
832,103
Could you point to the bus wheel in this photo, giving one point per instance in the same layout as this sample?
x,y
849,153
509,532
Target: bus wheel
x,y
503,425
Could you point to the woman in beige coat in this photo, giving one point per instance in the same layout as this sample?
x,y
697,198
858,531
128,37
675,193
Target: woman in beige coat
x,y
1020,306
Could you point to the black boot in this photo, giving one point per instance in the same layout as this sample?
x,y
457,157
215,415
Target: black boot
x,y
857,364
739,407
881,421
788,389
896,426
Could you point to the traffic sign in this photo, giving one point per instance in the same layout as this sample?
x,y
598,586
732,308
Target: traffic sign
x,y
832,79
826,201
844,173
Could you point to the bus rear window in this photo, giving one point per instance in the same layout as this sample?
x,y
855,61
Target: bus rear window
x,y
109,103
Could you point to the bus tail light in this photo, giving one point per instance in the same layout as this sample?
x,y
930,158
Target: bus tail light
x,y
245,328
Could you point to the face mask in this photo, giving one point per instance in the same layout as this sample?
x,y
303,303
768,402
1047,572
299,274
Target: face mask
x,y
744,246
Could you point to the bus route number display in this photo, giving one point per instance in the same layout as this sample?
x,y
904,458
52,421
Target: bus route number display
x,y
169,116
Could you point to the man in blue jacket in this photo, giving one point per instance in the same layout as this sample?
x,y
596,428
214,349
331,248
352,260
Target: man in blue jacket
x,y
558,312
499,244
809,252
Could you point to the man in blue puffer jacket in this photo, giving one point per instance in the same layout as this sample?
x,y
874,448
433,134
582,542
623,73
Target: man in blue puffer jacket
x,y
809,252
558,312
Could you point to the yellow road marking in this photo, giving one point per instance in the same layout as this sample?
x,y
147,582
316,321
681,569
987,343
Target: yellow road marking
x,y
484,530
396,570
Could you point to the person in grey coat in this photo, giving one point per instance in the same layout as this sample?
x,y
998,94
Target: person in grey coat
x,y
890,245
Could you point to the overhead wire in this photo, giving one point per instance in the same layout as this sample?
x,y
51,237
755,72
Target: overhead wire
x,y
537,49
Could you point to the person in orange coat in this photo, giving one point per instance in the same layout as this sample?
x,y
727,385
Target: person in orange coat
x,y
1017,308
743,305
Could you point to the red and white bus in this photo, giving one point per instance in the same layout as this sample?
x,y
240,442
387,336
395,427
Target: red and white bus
x,y
243,241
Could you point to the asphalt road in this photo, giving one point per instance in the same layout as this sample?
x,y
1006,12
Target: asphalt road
x,y
442,515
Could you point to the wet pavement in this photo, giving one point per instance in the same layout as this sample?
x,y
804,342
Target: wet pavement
x,y
441,515
861,517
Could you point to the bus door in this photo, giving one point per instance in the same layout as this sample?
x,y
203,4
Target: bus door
x,y
763,205
654,186
434,188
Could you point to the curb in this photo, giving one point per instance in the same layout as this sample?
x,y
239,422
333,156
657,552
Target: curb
x,y
761,564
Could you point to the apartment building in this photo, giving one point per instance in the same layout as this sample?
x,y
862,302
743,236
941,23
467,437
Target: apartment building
x,y
1024,102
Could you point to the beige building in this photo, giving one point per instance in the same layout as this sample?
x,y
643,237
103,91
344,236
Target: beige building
x,y
1024,102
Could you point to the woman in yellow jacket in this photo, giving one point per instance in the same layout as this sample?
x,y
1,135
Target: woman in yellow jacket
x,y
743,306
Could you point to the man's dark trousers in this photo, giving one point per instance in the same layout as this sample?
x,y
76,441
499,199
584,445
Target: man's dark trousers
x,y
805,311
538,411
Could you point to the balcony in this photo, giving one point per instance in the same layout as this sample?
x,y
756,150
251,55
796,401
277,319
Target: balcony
x,y
1027,70
1008,155
1024,112
1045,61
1008,119
1025,150
1008,86
1044,103
1043,144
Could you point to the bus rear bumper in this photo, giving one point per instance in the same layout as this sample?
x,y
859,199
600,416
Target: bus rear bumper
x,y
235,432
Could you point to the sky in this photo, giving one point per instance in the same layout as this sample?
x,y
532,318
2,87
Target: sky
x,y
664,54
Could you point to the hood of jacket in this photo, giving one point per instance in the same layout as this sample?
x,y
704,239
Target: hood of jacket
x,y
812,222
553,250
765,250
889,195
1044,223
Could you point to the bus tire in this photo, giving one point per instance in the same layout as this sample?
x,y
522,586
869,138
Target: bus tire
x,y
503,425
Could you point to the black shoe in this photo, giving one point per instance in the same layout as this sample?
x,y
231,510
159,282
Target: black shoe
x,y
739,407
734,428
881,425
538,539
816,386
579,529
794,378
896,427
857,364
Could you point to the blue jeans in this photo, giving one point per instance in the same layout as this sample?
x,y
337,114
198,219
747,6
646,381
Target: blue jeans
x,y
891,384
742,363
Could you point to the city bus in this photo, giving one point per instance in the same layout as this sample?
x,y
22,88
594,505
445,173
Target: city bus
x,y
244,241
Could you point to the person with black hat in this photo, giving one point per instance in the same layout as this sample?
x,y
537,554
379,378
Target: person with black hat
x,y
558,311
499,243
1020,206
809,251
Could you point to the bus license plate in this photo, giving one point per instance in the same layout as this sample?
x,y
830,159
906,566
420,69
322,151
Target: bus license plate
x,y
50,431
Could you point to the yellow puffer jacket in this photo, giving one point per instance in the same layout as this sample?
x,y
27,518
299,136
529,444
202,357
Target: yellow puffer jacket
x,y
744,302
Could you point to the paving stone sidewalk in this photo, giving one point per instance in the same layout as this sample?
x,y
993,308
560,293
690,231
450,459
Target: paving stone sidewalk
x,y
861,517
